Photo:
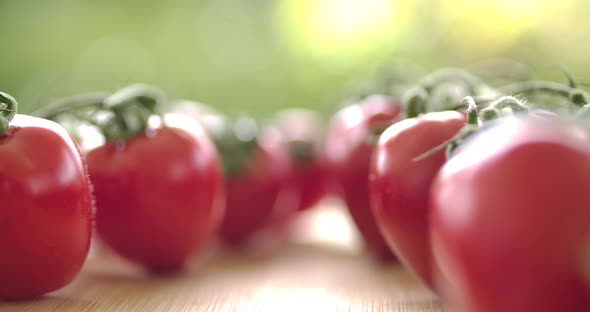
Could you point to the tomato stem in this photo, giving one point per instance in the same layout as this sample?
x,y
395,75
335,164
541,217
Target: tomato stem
x,y
8,107
472,116
72,104
416,100
488,114
451,144
510,102
125,113
302,152
442,90
575,96
452,74
237,143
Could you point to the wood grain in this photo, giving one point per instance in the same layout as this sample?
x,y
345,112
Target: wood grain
x,y
297,276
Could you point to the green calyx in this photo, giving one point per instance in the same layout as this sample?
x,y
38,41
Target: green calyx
x,y
416,100
448,75
302,152
472,125
570,94
236,145
472,114
119,116
442,90
8,107
503,104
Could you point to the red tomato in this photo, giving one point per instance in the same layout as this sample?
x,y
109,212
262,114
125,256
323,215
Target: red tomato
x,y
46,212
303,131
159,196
259,194
510,219
400,186
211,120
348,150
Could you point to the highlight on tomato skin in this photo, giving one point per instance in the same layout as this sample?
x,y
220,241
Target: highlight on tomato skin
x,y
46,215
399,184
347,150
514,199
159,196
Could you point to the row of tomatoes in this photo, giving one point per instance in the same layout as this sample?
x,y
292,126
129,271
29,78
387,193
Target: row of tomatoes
x,y
500,226
155,198
501,223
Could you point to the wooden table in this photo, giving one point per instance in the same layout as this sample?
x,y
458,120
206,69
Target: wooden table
x,y
306,274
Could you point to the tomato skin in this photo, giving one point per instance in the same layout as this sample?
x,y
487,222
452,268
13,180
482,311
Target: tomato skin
x,y
348,154
261,194
46,211
310,181
400,186
159,196
303,132
510,221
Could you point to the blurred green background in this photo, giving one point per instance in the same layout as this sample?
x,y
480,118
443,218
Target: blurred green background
x,y
259,56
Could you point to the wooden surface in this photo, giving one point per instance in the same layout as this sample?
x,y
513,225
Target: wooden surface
x,y
307,274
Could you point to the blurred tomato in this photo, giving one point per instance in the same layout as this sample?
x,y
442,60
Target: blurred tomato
x,y
159,195
400,185
302,131
210,119
348,147
259,190
46,212
510,219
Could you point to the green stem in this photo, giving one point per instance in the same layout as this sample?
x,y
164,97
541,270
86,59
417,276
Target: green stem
x,y
452,143
8,107
492,111
416,100
452,74
150,97
129,108
531,87
73,103
472,117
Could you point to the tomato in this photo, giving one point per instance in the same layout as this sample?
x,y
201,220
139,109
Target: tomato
x,y
211,120
159,195
46,212
510,219
302,130
348,150
400,185
259,192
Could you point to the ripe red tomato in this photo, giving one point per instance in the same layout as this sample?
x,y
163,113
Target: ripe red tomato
x,y
510,219
348,150
210,119
400,186
46,212
160,195
259,192
302,131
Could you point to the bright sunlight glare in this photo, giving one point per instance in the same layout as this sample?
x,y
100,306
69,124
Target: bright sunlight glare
x,y
493,25
345,28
